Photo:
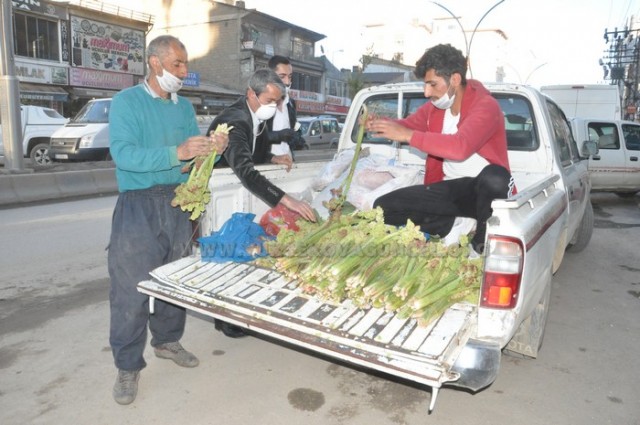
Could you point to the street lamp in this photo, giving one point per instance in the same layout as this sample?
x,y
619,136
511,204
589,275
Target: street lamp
x,y
468,43
526,80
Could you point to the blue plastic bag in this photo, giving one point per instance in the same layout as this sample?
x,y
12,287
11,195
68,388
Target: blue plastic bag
x,y
239,239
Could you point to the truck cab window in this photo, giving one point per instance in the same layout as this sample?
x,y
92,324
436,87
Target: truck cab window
x,y
562,135
518,123
605,135
631,136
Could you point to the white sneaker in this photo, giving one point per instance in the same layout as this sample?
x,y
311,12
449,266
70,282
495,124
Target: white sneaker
x,y
461,226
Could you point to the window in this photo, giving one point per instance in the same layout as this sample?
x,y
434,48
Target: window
x,y
605,135
386,105
565,145
305,82
35,37
631,136
518,122
315,128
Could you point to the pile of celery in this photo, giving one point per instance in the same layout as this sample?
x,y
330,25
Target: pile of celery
x,y
357,256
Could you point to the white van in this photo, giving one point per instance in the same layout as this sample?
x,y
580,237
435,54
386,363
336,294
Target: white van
x,y
601,101
86,136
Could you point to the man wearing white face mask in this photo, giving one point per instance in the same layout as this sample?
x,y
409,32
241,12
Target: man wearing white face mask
x,y
462,131
153,134
249,146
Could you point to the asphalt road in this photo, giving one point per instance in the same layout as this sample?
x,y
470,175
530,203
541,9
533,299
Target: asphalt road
x,y
56,366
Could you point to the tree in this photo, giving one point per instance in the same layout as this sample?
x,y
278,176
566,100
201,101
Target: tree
x,y
356,82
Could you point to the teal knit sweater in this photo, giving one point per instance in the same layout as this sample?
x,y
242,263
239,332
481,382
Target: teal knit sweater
x,y
144,132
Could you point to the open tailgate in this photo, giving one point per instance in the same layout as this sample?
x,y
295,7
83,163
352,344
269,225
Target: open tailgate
x,y
266,302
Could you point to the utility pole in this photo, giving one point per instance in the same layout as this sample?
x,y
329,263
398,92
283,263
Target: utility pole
x,y
9,94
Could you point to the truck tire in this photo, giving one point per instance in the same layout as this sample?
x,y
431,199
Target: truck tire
x,y
39,155
527,341
583,234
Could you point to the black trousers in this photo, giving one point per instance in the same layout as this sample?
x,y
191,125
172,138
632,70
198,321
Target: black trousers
x,y
434,207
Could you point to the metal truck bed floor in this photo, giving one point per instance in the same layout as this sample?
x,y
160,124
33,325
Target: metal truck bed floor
x,y
266,302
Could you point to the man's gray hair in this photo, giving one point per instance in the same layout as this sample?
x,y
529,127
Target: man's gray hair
x,y
160,45
260,79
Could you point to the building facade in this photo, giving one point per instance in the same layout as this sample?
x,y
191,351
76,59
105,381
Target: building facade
x,y
67,53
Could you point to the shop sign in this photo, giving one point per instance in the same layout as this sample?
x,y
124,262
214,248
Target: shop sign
x,y
306,95
107,47
42,74
100,79
192,80
339,101
336,109
309,107
42,7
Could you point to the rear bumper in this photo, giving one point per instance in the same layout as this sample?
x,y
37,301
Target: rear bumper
x,y
478,365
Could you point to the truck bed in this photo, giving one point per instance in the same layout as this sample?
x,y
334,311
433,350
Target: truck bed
x,y
266,302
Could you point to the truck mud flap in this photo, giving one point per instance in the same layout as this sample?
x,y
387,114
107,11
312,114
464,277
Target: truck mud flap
x,y
266,302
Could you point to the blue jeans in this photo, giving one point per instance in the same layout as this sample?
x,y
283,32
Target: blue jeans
x,y
146,233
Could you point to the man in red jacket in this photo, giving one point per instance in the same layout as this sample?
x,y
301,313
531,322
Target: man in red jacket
x,y
462,131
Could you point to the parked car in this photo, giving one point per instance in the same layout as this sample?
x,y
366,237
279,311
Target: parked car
x,y
616,166
320,130
86,136
38,124
336,140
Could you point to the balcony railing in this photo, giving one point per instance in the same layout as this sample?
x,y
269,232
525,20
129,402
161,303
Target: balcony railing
x,y
113,9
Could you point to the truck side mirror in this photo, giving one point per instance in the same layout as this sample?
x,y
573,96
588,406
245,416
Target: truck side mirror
x,y
588,149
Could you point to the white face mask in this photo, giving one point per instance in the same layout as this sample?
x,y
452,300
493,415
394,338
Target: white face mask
x,y
444,102
169,82
267,111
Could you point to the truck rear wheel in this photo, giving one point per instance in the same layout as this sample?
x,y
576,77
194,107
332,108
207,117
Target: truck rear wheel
x,y
527,340
40,155
583,234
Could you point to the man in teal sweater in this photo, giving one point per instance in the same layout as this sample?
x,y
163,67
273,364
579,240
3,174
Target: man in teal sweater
x,y
153,133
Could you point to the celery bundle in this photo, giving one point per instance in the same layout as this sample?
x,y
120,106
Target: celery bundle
x,y
357,256
194,194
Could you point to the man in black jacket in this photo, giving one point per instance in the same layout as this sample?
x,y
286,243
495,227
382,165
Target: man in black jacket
x,y
248,146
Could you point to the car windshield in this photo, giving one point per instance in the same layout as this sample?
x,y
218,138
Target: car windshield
x,y
93,112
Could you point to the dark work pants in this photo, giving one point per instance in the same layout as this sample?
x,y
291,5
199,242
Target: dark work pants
x,y
146,232
435,207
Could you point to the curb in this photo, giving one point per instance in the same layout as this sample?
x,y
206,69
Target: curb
x,y
24,188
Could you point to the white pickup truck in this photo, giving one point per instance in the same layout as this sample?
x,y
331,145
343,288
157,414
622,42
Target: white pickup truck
x,y
38,124
527,237
616,166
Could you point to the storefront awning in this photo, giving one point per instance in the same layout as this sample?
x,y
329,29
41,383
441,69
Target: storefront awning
x,y
91,93
42,92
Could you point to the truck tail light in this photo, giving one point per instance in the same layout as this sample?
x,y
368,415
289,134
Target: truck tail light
x,y
502,272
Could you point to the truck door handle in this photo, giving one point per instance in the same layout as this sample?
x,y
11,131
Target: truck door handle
x,y
633,158
596,157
